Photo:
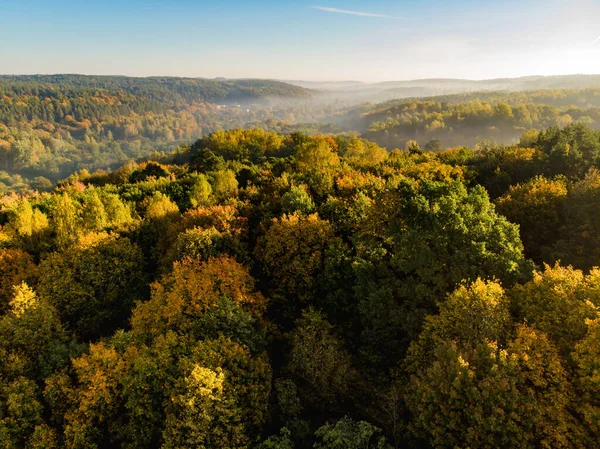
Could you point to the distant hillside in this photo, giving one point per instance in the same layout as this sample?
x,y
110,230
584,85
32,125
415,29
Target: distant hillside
x,y
326,85
441,86
163,89
582,98
468,118
52,125
389,90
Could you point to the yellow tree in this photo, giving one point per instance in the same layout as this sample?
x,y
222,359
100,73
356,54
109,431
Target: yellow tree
x,y
183,297
558,301
587,357
537,208
66,219
292,255
489,396
225,184
316,154
16,266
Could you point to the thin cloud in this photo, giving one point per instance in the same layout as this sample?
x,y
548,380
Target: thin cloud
x,y
596,41
357,13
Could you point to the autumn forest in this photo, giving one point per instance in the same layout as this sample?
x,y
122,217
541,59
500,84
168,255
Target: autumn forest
x,y
194,263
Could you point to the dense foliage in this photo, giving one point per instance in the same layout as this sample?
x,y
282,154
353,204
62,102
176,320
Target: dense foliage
x,y
52,126
470,118
161,89
260,290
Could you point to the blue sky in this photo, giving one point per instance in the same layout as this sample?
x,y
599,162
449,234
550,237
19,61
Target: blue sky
x,y
374,40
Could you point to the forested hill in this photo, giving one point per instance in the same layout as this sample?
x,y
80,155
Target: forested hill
x,y
584,98
470,118
389,90
526,83
53,125
162,89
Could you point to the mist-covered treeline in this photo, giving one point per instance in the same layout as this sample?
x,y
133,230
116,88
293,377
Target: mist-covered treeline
x,y
160,89
468,119
51,126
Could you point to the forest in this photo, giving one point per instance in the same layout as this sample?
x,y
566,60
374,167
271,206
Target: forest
x,y
52,126
470,118
279,290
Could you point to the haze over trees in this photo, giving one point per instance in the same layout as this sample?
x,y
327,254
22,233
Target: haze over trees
x,y
54,125
51,126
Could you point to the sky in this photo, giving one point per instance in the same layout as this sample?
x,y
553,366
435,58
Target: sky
x,y
315,40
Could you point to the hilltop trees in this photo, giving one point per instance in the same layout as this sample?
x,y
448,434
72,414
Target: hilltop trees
x,y
471,118
305,292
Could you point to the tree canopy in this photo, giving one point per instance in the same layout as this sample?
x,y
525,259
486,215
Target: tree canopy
x,y
263,290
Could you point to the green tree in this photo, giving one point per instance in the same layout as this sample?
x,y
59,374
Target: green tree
x,y
201,192
204,243
94,285
434,145
297,199
349,434
577,243
413,147
224,184
418,243
319,361
281,441
21,417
